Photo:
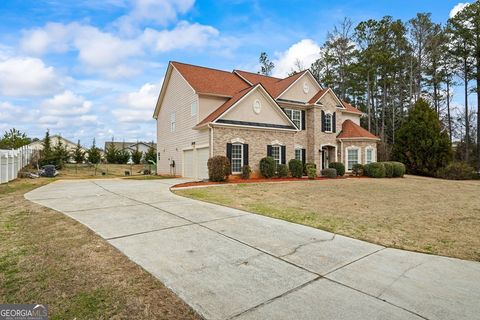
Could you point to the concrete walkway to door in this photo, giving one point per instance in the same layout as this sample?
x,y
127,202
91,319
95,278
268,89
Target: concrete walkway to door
x,y
231,264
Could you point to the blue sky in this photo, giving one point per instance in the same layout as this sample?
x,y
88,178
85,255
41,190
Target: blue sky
x,y
86,68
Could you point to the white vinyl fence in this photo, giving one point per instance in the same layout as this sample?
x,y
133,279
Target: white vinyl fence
x,y
12,161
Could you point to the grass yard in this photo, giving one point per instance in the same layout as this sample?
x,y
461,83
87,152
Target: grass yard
x,y
48,258
414,213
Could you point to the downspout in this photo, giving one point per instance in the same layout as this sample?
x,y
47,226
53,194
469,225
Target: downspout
x,y
211,139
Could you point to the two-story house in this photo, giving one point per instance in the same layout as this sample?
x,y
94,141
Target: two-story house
x,y
203,112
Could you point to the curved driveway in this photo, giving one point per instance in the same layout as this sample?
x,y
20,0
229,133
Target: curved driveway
x,y
231,264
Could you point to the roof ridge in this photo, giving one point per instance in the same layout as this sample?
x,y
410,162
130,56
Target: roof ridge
x,y
197,66
258,74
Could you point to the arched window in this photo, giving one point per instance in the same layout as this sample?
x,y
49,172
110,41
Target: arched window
x,y
327,125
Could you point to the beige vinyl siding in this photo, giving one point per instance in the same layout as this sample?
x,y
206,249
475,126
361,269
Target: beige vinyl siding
x,y
350,116
208,104
296,93
269,112
178,98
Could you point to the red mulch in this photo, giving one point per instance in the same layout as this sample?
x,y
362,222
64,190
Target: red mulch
x,y
252,180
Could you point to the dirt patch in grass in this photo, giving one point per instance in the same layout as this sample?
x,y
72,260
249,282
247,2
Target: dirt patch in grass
x,y
414,213
48,258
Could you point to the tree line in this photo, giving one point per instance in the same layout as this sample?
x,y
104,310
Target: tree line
x,y
384,66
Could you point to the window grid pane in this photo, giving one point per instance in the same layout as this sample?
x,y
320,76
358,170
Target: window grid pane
x,y
369,156
298,154
276,154
328,122
295,116
352,158
237,157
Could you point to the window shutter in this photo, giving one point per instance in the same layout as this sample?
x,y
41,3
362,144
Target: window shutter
x,y
304,114
334,122
229,152
304,156
269,151
323,121
284,155
245,154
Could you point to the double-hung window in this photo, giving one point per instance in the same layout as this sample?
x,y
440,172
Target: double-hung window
x,y
298,154
352,158
295,116
237,157
173,122
327,122
369,156
277,154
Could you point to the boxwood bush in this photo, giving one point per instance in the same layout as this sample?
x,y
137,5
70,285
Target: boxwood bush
x,y
282,170
398,169
340,167
246,172
311,172
218,168
457,171
329,173
357,169
267,167
374,170
388,169
296,168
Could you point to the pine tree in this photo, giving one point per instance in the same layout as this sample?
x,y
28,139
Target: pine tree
x,y
78,154
94,155
137,155
111,153
266,66
151,154
14,139
421,143
60,154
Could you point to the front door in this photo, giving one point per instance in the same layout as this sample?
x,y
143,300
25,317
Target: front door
x,y
325,158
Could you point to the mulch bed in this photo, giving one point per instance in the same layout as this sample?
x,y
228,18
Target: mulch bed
x,y
252,180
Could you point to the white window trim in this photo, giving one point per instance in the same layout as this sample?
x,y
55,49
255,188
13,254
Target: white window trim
x,y
295,153
276,143
241,157
287,110
373,154
331,122
279,146
359,155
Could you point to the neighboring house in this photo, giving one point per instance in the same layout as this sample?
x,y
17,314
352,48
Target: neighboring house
x,y
203,112
54,140
131,146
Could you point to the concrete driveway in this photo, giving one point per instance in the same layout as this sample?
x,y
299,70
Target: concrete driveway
x,y
231,264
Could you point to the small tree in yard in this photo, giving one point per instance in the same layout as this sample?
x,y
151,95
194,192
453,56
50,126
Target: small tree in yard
x,y
111,153
267,167
60,154
94,156
421,144
123,155
218,168
137,155
78,154
151,154
46,156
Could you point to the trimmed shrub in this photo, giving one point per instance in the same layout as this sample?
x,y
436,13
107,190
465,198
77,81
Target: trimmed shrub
x,y
282,170
357,169
310,165
374,170
388,169
312,172
218,168
398,169
329,173
340,167
457,171
246,172
296,168
267,167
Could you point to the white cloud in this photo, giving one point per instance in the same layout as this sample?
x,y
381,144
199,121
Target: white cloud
x,y
306,51
66,104
159,12
184,35
54,37
138,105
457,8
26,77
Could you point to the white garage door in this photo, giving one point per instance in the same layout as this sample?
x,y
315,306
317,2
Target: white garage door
x,y
202,157
188,164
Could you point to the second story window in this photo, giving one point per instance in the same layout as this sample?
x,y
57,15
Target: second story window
x,y
295,116
327,123
173,122
193,108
